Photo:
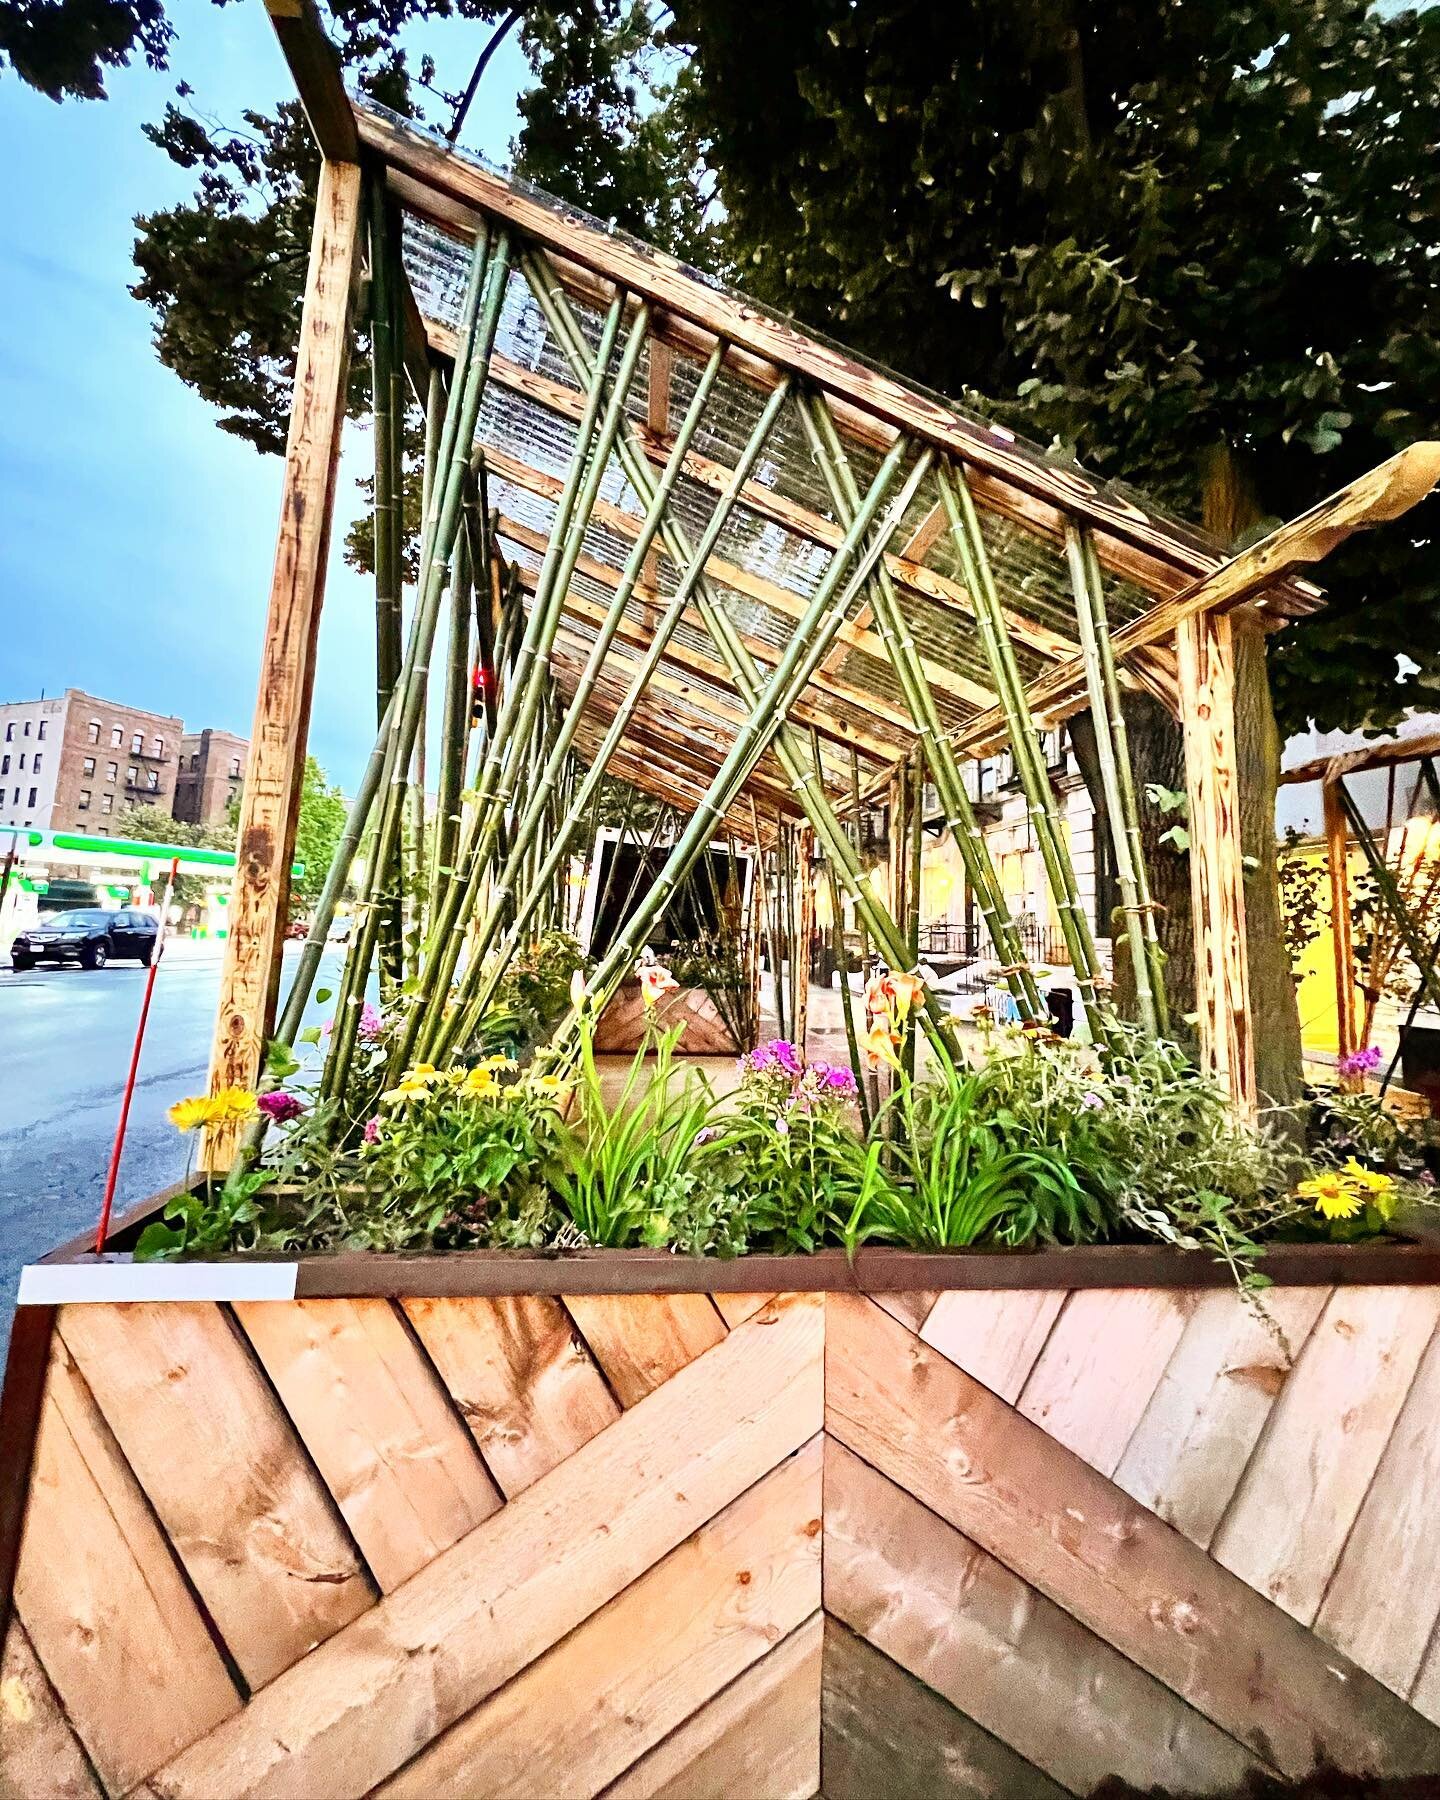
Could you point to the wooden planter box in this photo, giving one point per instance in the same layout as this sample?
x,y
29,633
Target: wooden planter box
x,y
630,1523
620,1029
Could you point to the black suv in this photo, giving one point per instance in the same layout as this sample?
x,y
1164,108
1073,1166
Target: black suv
x,y
90,937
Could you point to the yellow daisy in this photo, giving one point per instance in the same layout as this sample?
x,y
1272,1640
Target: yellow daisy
x,y
1333,1196
191,1114
1369,1179
232,1103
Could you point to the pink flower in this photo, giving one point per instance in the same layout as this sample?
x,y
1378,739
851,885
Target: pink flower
x,y
372,1023
280,1108
372,1130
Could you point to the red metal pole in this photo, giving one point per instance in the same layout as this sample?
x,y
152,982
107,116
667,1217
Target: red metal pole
x,y
112,1174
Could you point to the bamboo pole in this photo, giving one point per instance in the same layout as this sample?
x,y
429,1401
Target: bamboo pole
x,y
1039,795
744,672
481,319
960,817
805,926
1090,613
387,427
454,718
762,879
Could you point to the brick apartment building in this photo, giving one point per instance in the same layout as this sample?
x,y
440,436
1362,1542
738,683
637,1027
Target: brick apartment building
x,y
212,768
76,763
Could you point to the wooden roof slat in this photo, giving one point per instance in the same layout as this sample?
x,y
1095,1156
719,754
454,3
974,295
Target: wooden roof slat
x,y
315,70
991,451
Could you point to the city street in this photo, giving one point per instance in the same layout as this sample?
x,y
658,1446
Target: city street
x,y
67,1035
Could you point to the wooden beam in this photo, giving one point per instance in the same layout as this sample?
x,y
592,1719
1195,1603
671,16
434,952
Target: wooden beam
x,y
1384,493
1019,468
1368,756
270,803
1337,863
315,70
1217,875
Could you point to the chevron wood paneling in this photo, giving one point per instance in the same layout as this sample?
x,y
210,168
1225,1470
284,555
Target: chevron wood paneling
x,y
1006,1543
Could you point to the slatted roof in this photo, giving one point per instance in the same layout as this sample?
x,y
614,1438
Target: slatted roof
x,y
774,549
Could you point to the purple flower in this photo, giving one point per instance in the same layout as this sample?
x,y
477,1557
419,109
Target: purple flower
x,y
372,1023
280,1108
786,1055
372,1130
1360,1062
833,1076
1091,1102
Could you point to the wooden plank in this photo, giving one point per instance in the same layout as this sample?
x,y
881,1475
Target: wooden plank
x,y
641,1340
1217,876
1393,1548
735,1309
1100,1365
276,764
639,1667
1286,1527
1119,1570
994,1334
39,1751
522,1380
1189,1450
246,1513
1018,1665
1425,1695
372,1413
911,1309
759,1736
885,1733
1384,753
315,70
104,1605
22,1398
361,1705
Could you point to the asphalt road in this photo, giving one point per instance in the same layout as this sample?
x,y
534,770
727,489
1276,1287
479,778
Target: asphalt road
x,y
65,1041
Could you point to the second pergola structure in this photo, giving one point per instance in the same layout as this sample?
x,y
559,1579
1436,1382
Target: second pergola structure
x,y
686,543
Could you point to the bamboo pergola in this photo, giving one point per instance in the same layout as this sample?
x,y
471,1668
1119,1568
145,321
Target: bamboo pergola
x,y
726,560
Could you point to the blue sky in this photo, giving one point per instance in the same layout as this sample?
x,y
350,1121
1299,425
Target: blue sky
x,y
135,537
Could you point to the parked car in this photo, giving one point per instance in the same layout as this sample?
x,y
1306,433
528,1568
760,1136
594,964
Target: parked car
x,y
88,936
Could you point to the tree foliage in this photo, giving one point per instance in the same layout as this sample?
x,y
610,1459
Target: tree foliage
x,y
317,835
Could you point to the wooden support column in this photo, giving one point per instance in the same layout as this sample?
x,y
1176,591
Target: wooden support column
x,y
1337,861
1222,989
804,930
269,807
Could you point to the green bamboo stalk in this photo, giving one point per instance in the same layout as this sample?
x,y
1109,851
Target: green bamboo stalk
x,y
838,956
517,709
1039,797
814,635
762,876
743,670
960,818
386,499
872,1085
479,984
912,897
1125,779
1100,713
454,720
479,323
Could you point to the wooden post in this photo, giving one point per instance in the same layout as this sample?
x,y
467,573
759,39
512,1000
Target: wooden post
x,y
1337,860
269,808
804,931
1205,647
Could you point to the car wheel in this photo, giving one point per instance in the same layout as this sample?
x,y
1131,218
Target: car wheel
x,y
95,956
20,964
147,956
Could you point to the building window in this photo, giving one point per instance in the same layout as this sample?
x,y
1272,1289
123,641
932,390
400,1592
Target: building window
x,y
35,763
137,742
27,728
93,730
159,746
22,758
33,793
10,732
107,801
152,780
88,766
83,804
40,729
234,768
4,765
112,771
117,737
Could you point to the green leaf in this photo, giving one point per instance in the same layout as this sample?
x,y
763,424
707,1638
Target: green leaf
x,y
322,995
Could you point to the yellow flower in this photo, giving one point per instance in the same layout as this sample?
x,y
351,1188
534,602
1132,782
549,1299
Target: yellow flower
x,y
909,991
499,1062
478,1083
418,1080
232,1103
1333,1195
1368,1179
880,1044
191,1114
549,1084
